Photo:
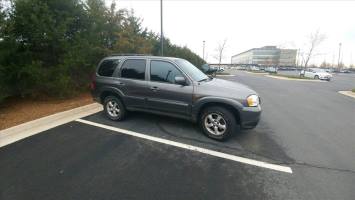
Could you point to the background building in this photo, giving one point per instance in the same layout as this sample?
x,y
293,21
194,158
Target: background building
x,y
267,56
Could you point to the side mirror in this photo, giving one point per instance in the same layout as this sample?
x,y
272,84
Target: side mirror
x,y
180,80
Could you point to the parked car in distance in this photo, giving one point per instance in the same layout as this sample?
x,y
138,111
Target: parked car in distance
x,y
221,69
254,68
316,73
330,70
271,69
207,69
344,71
174,87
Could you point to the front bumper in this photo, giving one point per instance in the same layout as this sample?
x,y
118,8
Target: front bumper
x,y
325,77
249,117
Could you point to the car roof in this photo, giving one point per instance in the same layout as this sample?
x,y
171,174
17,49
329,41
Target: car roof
x,y
140,56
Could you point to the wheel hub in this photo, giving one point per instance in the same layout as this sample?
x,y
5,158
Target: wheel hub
x,y
113,108
215,124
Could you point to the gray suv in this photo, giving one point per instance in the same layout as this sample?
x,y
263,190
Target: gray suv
x,y
174,87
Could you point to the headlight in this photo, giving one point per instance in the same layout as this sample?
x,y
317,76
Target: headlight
x,y
253,100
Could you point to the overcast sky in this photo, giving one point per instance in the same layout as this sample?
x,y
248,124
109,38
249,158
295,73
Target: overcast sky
x,y
250,24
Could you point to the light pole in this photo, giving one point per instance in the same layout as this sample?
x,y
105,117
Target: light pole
x,y
339,56
161,28
298,57
203,51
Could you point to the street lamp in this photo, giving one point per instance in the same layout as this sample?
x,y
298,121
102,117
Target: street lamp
x,y
339,56
203,52
161,28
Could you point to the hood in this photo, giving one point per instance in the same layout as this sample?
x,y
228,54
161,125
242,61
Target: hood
x,y
224,88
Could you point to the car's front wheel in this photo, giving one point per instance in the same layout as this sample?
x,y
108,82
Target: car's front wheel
x,y
114,108
316,77
217,122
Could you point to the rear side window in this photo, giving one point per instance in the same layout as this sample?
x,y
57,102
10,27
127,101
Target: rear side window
x,y
107,67
163,72
134,69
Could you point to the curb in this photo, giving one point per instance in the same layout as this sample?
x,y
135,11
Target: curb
x,y
256,73
293,79
30,128
347,93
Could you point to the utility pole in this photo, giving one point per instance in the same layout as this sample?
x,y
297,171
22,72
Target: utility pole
x,y
161,28
298,57
333,60
339,56
351,60
203,51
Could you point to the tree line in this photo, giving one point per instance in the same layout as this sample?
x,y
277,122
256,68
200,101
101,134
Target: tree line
x,y
51,47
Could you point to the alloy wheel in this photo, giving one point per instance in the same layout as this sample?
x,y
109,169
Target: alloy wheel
x,y
215,124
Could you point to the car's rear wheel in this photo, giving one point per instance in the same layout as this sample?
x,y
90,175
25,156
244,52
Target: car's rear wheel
x,y
217,122
114,108
316,77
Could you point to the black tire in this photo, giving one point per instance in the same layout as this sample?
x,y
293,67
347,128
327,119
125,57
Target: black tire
x,y
228,117
316,77
111,111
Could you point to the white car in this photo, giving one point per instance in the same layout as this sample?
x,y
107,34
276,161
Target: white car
x,y
316,73
254,68
271,69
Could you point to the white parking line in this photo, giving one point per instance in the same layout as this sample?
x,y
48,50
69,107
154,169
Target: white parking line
x,y
192,148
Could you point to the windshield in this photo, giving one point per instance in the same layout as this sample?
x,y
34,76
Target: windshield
x,y
191,70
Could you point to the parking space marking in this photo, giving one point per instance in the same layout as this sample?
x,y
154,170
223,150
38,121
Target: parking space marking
x,y
192,148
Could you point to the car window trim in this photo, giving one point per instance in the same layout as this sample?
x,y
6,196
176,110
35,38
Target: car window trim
x,y
150,66
119,74
188,78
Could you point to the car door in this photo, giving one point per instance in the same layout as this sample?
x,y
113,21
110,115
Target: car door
x,y
165,95
132,82
309,73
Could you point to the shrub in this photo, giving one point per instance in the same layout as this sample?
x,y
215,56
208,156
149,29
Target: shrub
x,y
51,48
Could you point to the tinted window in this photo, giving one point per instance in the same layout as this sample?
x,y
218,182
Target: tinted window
x,y
134,69
107,67
163,72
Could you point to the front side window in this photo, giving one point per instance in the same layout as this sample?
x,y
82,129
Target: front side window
x,y
191,70
133,69
107,67
163,72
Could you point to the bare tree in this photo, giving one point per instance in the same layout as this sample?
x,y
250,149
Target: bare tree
x,y
314,39
220,48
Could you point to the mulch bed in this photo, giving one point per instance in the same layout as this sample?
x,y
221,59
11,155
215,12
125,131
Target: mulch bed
x,y
16,111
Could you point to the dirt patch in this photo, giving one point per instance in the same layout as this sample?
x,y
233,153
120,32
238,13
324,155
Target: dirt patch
x,y
18,111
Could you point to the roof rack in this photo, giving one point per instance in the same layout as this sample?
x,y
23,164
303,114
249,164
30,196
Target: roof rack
x,y
129,54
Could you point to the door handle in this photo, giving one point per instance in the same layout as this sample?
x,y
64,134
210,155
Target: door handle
x,y
154,88
120,83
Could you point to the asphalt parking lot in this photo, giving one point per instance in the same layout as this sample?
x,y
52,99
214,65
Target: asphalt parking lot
x,y
306,126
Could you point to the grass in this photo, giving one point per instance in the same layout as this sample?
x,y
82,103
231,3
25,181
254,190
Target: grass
x,y
292,76
353,90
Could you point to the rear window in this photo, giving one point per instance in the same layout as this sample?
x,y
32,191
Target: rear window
x,y
133,69
107,67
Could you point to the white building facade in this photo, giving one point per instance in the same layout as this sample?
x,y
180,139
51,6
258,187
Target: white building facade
x,y
266,56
